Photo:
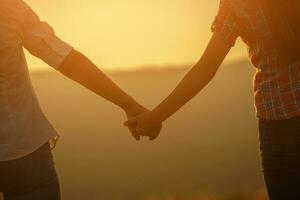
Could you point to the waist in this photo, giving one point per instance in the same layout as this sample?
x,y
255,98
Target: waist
x,y
277,92
28,143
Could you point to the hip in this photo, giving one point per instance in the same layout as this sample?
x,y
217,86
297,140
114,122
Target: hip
x,y
28,172
280,143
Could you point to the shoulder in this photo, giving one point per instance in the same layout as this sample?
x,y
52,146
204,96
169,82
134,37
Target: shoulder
x,y
237,7
15,6
18,10
234,4
229,4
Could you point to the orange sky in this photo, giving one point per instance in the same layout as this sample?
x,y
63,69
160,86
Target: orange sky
x,y
123,34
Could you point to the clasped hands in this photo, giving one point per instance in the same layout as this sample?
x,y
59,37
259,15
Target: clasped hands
x,y
141,123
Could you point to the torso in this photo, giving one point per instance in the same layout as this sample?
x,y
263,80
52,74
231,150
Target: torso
x,y
276,88
23,126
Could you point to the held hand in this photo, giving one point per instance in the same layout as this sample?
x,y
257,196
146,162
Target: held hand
x,y
145,125
131,112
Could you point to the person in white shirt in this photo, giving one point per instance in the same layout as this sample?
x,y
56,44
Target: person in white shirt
x,y
26,165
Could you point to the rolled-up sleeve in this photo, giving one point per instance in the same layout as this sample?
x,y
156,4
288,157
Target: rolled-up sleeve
x,y
40,39
226,24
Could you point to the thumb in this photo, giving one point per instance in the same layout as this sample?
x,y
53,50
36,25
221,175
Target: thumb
x,y
131,122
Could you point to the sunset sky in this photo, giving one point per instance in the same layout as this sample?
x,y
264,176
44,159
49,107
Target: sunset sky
x,y
126,34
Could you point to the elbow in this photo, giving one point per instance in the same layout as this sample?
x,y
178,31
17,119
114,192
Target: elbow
x,y
211,71
69,65
212,75
209,74
66,69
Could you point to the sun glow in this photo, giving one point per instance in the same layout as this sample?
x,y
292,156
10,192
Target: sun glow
x,y
118,34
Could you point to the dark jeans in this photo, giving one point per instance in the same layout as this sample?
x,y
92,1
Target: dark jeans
x,y
280,151
32,177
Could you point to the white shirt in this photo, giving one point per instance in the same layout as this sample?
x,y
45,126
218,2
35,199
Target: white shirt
x,y
23,126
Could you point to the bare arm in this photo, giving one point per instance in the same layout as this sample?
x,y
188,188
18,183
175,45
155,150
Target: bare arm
x,y
80,69
194,81
39,38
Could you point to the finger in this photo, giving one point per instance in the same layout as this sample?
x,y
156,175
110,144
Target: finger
x,y
137,137
155,134
134,133
131,122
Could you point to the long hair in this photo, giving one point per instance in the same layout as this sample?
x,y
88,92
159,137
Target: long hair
x,y
283,17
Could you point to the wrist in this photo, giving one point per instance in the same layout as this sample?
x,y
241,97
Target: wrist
x,y
156,117
128,104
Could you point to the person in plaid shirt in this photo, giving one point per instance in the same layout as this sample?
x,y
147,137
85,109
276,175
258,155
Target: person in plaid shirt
x,y
270,30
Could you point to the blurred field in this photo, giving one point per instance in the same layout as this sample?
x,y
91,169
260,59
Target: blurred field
x,y
208,151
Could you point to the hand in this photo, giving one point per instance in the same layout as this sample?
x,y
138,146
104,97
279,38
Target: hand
x,y
145,125
131,112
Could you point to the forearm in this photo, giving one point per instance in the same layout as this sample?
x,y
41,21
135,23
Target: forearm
x,y
195,80
80,69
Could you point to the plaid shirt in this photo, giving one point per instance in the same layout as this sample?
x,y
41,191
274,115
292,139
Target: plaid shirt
x,y
276,89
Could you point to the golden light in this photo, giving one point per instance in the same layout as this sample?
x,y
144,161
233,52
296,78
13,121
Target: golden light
x,y
118,34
